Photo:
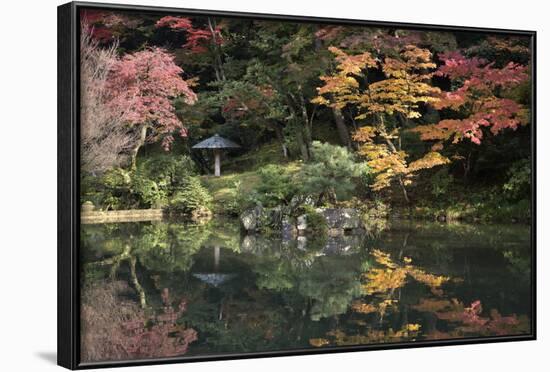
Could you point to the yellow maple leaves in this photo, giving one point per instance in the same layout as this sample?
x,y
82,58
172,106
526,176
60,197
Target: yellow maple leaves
x,y
318,342
388,164
429,160
392,275
342,87
408,331
406,84
405,87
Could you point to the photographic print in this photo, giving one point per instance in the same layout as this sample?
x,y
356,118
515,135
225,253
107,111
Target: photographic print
x,y
251,185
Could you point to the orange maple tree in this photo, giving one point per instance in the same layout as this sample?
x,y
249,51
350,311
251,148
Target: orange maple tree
x,y
400,94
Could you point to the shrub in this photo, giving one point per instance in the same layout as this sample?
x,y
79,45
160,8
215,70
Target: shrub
x,y
148,192
239,200
190,197
109,190
316,222
167,170
440,182
155,179
518,185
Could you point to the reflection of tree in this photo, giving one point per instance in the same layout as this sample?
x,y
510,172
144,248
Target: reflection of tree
x,y
284,293
117,329
382,288
157,247
327,284
469,321
170,247
330,285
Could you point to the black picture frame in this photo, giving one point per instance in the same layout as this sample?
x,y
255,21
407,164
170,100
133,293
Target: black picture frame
x,y
68,325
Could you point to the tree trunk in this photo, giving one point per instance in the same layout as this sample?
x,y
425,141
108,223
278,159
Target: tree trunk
x,y
392,147
467,167
141,142
341,127
281,137
405,194
302,144
218,64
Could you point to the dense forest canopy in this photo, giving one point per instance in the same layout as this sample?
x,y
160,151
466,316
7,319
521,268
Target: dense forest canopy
x,y
420,114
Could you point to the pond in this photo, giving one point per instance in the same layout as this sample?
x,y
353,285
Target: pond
x,y
164,289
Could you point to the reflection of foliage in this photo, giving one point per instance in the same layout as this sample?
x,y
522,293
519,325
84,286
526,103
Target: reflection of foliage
x,y
170,247
392,275
408,332
158,247
470,320
115,329
288,295
520,263
249,324
331,290
275,275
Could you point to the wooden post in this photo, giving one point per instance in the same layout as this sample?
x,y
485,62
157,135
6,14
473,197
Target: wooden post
x,y
217,163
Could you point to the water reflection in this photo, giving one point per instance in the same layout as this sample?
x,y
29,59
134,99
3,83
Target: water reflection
x,y
167,289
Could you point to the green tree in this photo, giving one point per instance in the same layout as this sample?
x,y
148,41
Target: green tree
x,y
330,173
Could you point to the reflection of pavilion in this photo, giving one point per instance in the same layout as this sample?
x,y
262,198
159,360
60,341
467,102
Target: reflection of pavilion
x,y
215,278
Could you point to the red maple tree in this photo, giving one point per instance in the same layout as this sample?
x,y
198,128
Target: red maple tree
x,y
478,98
142,86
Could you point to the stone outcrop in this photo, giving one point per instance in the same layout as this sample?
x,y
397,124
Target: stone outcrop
x,y
339,221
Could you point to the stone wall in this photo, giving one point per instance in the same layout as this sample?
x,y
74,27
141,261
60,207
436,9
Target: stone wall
x,y
134,215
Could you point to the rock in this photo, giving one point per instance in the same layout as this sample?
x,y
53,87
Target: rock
x,y
341,218
288,230
297,201
301,223
335,232
256,218
342,245
248,243
250,219
301,243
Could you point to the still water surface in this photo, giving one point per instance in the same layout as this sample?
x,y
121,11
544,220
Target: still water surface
x,y
162,289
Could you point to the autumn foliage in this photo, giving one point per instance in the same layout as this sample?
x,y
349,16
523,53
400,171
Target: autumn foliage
x,y
478,99
142,85
115,329
198,39
405,87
